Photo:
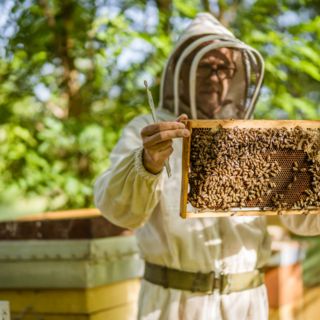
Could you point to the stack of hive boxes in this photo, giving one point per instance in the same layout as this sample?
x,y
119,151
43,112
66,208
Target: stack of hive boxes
x,y
69,269
283,276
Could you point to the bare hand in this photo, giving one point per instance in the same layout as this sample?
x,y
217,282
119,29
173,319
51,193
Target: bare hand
x,y
157,142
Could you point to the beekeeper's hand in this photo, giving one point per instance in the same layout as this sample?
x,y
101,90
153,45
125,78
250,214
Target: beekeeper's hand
x,y
157,142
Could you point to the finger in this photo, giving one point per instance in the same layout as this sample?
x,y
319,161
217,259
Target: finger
x,y
181,117
158,158
163,136
166,153
161,146
161,126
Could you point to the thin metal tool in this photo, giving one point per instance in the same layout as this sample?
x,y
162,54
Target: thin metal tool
x,y
155,120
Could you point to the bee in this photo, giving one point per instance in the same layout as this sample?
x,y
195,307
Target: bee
x,y
308,191
303,170
289,186
272,185
234,163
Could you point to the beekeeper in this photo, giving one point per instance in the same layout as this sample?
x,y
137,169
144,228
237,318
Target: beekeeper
x,y
196,269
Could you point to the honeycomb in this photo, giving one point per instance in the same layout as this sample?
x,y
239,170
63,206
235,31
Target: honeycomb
x,y
286,159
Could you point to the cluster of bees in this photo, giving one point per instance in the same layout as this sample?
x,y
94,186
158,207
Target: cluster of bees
x,y
233,167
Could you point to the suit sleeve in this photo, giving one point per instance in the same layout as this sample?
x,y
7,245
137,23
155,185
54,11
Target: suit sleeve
x,y
305,225
126,193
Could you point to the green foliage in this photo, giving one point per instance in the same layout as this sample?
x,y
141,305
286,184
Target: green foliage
x,y
287,35
52,148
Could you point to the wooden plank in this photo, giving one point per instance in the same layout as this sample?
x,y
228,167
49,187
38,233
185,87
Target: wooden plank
x,y
110,248
128,311
125,312
74,301
44,316
68,274
185,171
217,214
311,302
59,215
230,123
68,263
290,311
284,284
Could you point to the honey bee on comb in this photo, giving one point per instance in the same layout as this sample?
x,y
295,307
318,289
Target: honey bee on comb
x,y
233,168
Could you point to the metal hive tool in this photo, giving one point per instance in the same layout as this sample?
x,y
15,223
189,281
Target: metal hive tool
x,y
284,157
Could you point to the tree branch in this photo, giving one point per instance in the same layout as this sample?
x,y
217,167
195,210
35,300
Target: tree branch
x,y
164,7
50,17
64,44
206,6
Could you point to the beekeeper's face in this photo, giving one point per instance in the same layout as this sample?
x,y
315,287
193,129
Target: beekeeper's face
x,y
214,72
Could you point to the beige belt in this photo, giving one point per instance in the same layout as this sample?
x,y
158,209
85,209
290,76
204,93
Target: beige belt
x,y
203,282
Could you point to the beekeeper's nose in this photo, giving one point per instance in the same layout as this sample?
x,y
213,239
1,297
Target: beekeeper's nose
x,y
214,77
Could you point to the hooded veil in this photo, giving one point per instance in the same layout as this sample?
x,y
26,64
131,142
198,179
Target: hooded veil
x,y
243,87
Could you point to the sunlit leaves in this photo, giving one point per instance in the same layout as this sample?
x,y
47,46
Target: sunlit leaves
x,y
51,157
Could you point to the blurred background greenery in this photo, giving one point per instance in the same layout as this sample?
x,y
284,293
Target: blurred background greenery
x,y
72,71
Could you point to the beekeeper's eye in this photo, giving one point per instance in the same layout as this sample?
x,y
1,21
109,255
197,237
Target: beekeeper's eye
x,y
221,73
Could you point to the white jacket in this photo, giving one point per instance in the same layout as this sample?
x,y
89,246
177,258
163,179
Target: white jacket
x,y
131,197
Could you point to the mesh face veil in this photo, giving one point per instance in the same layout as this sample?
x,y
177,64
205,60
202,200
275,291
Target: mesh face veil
x,y
245,67
243,88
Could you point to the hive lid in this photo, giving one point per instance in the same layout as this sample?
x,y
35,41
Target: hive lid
x,y
69,224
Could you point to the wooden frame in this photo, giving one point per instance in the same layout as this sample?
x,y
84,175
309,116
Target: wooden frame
x,y
194,124
61,215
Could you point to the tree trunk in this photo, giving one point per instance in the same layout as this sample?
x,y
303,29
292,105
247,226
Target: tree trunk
x,y
164,7
62,24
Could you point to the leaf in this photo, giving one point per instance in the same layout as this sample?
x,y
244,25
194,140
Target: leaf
x,y
187,9
310,69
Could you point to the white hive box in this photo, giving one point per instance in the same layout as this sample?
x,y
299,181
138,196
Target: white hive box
x,y
68,263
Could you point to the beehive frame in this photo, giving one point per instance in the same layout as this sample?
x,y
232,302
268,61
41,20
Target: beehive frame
x,y
192,125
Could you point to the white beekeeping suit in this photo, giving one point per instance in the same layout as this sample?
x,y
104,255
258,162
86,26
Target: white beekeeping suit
x,y
131,197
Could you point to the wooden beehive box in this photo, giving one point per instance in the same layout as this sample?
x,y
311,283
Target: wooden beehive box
x,y
117,300
71,249
69,265
250,167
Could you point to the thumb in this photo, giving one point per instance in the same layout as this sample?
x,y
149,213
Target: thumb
x,y
181,117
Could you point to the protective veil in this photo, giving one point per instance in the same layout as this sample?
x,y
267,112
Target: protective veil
x,y
243,87
131,197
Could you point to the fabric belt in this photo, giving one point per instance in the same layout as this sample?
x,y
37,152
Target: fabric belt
x,y
202,282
